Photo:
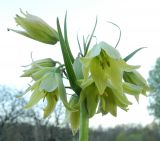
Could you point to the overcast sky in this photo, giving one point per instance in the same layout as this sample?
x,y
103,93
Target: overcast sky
x,y
138,20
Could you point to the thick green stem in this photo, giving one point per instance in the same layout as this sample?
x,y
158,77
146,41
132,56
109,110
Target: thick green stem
x,y
84,123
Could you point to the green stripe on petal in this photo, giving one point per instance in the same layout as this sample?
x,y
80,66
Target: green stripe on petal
x,y
110,51
98,74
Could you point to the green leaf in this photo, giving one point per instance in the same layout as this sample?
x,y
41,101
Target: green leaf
x,y
90,39
79,46
67,61
66,39
132,54
119,33
84,44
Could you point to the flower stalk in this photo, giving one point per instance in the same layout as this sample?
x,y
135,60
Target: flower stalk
x,y
84,122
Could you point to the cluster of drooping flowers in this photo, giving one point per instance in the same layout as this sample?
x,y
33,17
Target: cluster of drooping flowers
x,y
99,77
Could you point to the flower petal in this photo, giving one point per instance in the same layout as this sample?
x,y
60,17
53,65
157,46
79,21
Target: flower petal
x,y
51,103
35,98
49,82
110,51
98,74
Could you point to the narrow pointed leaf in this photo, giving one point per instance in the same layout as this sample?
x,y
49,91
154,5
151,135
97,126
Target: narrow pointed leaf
x,y
79,46
90,39
67,61
66,39
84,45
132,54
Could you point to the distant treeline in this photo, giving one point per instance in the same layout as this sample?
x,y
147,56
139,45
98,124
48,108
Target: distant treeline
x,y
27,132
17,124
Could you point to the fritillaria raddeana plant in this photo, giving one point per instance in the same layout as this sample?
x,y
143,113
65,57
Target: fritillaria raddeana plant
x,y
99,77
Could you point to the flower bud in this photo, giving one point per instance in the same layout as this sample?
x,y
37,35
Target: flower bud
x,y
134,77
47,62
35,28
39,68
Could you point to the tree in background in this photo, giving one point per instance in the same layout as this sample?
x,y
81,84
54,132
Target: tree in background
x,y
12,114
15,122
11,109
154,99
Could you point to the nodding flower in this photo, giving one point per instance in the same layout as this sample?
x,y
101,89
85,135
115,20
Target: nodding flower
x,y
35,28
103,71
45,84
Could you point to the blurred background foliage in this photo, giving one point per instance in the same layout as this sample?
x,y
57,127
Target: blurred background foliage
x,y
17,124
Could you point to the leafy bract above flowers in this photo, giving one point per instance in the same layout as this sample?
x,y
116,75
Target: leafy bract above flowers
x,y
35,28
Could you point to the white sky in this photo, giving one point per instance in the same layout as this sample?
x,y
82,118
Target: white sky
x,y
139,22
